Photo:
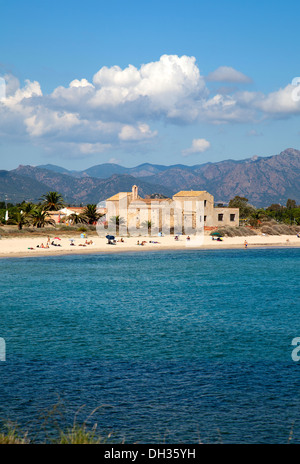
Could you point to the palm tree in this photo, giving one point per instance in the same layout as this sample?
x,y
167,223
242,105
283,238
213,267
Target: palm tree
x,y
19,218
90,214
40,218
116,221
147,225
27,207
77,219
52,201
22,219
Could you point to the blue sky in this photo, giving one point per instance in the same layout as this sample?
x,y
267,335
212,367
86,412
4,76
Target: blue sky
x,y
133,81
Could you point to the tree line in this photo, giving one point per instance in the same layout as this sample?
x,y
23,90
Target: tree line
x,y
28,214
288,214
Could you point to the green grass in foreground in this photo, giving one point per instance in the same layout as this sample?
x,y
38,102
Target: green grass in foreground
x,y
76,435
12,438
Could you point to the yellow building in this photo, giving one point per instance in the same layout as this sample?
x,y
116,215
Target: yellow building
x,y
213,217
195,208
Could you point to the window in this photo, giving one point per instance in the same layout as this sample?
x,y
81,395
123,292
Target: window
x,y
232,217
220,217
204,218
204,203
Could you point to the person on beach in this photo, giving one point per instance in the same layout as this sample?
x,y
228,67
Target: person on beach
x,y
245,243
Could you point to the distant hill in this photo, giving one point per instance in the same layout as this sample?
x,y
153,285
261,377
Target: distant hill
x,y
77,190
18,188
54,168
263,180
105,170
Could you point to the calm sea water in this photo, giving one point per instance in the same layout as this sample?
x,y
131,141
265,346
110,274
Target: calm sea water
x,y
174,347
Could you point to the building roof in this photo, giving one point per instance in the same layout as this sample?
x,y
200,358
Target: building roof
x,y
190,193
67,211
151,200
117,196
76,209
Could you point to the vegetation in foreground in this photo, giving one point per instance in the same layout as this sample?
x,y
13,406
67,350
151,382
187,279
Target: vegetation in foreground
x,y
85,432
273,220
27,214
75,435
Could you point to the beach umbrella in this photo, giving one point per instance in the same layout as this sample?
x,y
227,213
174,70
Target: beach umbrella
x,y
110,237
57,238
217,234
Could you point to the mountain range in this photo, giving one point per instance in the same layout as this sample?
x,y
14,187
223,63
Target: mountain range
x,y
263,180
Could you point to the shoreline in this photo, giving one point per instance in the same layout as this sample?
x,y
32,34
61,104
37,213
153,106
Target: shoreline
x,y
24,247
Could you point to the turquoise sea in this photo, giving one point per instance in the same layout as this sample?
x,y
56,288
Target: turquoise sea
x,y
174,347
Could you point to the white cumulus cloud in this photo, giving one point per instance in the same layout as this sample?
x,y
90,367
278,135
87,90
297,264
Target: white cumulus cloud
x,y
141,132
280,102
228,74
118,107
161,88
80,83
198,146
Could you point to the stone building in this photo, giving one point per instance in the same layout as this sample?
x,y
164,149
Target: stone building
x,y
186,207
213,217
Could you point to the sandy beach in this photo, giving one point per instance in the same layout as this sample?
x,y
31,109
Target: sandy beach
x,y
32,246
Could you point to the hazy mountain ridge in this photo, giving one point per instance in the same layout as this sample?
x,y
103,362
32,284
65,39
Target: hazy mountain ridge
x,y
77,190
263,180
16,188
